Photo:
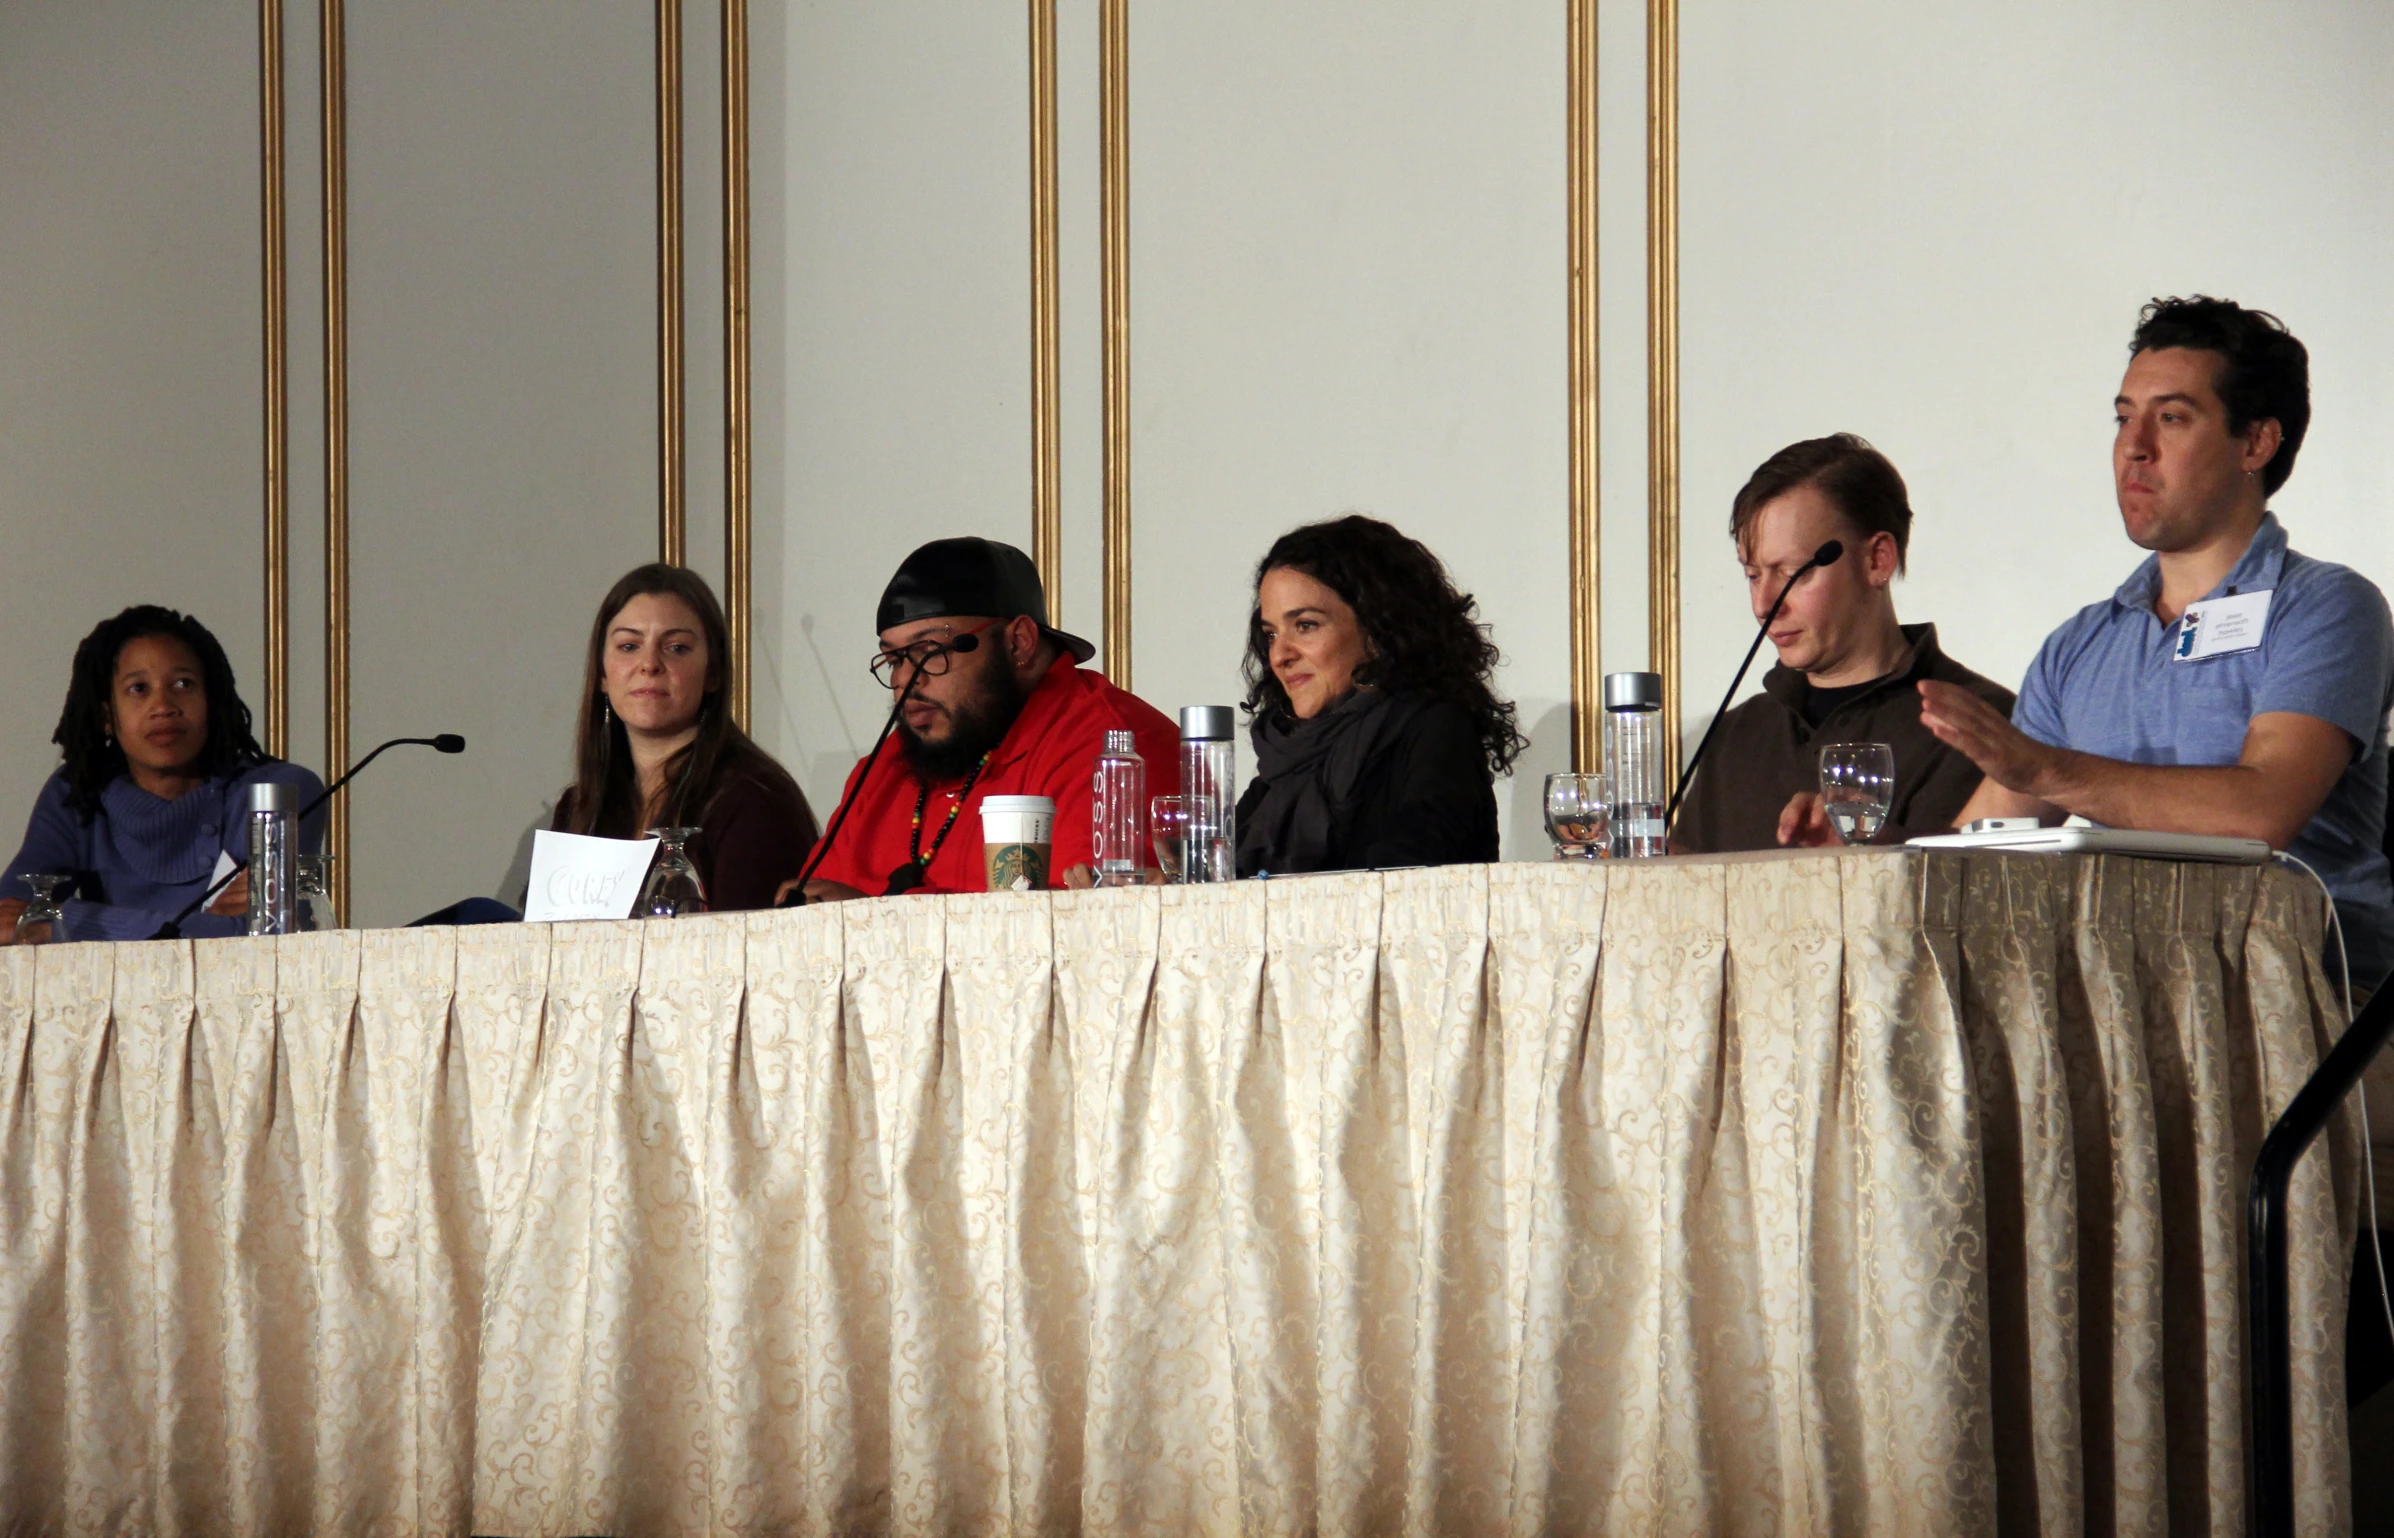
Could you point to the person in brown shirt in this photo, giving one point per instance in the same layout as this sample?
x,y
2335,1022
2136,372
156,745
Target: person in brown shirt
x,y
657,747
1848,671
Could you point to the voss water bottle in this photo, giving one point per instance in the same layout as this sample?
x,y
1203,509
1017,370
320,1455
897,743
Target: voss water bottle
x,y
1209,789
1118,812
272,836
1633,760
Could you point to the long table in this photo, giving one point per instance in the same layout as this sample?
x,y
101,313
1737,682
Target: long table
x,y
1873,1192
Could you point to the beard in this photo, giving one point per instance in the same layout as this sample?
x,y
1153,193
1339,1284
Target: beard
x,y
976,725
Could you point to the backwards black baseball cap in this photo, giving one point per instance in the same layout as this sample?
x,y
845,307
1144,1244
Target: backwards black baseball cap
x,y
950,577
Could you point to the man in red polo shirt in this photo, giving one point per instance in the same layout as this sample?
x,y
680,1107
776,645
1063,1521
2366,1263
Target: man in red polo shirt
x,y
990,701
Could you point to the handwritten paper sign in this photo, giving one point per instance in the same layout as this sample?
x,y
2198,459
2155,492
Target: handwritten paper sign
x,y
575,876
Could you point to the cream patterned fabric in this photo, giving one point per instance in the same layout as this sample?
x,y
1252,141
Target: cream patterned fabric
x,y
1866,1193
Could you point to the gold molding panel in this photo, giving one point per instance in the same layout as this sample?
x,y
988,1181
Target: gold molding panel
x,y
1662,365
1587,548
673,479
1114,218
1047,502
738,461
333,70
276,277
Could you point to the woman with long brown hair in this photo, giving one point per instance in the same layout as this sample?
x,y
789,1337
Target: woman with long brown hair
x,y
657,747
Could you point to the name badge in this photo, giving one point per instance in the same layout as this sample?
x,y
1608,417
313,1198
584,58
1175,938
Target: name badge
x,y
2218,626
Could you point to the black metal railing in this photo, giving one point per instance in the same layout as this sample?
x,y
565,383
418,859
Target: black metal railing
x,y
2265,1259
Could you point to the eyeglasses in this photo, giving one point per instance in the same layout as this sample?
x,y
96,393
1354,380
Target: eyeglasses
x,y
927,658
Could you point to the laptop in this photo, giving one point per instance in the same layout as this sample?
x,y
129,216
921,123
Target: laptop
x,y
2021,835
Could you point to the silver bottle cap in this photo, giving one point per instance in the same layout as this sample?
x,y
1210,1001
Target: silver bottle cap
x,y
1633,691
1121,743
1205,723
273,796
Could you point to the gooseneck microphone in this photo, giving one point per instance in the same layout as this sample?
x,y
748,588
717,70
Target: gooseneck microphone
x,y
967,642
1826,555
446,742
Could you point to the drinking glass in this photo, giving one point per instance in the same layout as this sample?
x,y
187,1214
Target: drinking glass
x,y
1168,826
38,924
1857,784
311,881
1579,816
673,887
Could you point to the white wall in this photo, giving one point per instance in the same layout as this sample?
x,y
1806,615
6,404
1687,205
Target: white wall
x,y
891,253
131,466
1933,225
502,283
1348,230
502,380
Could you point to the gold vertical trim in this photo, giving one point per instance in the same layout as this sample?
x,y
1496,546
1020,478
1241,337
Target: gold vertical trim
x,y
277,308
736,447
1047,502
332,69
1114,217
673,479
1587,550
1662,364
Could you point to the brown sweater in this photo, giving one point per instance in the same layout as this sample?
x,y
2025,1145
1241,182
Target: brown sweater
x,y
754,835
1767,750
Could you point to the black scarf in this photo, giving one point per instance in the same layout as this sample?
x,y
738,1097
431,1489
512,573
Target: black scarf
x,y
1308,771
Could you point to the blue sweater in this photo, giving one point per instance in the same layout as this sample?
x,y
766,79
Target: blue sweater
x,y
149,856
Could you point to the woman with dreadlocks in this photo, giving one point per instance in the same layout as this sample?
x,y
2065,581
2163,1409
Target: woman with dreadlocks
x,y
154,788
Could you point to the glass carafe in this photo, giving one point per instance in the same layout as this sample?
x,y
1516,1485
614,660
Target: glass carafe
x,y
673,887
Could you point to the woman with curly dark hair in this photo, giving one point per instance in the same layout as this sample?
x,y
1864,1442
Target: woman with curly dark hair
x,y
1377,736
153,790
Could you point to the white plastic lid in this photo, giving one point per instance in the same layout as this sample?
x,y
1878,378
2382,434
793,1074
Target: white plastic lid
x,y
1045,804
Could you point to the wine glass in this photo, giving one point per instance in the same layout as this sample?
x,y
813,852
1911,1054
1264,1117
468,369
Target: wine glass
x,y
673,887
1579,815
1168,825
311,900
38,924
1857,785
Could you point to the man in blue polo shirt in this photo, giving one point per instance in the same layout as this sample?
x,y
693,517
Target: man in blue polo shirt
x,y
2231,685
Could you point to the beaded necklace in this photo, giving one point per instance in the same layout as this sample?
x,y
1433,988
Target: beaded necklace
x,y
910,875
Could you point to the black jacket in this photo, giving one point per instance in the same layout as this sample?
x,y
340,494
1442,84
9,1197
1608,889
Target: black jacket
x,y
1767,750
1426,799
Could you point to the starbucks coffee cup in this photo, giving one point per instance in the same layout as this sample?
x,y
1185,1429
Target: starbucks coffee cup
x,y
1017,836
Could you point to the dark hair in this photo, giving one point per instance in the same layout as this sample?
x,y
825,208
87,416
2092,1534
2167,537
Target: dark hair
x,y
606,788
85,734
1424,635
1842,467
2264,373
